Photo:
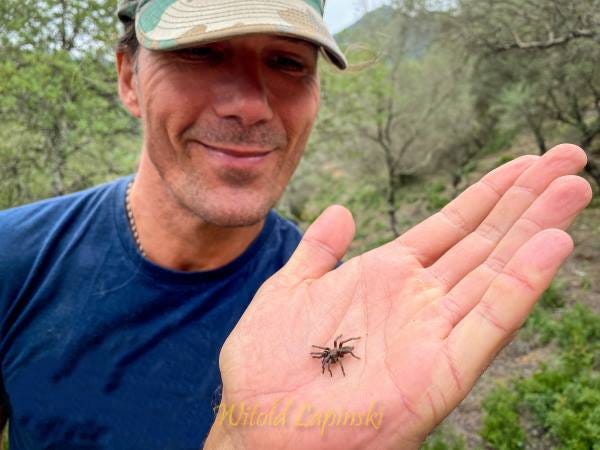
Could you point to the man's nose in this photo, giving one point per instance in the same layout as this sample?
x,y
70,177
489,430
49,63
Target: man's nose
x,y
244,96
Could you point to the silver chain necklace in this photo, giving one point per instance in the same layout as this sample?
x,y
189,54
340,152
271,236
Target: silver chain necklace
x,y
131,219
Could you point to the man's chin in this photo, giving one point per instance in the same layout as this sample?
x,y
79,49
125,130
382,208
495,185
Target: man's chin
x,y
228,206
232,217
235,221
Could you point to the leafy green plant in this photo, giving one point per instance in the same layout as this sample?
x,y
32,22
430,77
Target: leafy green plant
x,y
539,327
435,197
563,397
500,140
504,159
501,426
444,439
552,297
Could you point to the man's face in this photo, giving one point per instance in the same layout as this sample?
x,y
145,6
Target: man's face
x,y
225,124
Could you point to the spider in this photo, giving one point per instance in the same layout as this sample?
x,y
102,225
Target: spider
x,y
332,355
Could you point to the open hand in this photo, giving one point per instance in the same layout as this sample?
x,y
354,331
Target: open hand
x,y
432,308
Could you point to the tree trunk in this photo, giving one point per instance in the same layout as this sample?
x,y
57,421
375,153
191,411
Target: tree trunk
x,y
392,185
392,217
591,167
593,170
57,158
540,140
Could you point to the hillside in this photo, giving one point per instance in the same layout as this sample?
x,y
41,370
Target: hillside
x,y
378,26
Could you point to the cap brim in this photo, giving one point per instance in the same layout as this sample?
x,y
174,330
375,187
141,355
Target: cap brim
x,y
169,25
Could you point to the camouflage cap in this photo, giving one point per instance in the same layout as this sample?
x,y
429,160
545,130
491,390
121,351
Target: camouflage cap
x,y
172,24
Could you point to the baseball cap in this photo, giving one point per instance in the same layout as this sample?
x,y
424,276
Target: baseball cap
x,y
173,24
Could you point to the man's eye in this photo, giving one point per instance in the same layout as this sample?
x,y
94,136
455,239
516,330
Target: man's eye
x,y
288,64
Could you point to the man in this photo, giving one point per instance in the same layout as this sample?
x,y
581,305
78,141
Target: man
x,y
116,301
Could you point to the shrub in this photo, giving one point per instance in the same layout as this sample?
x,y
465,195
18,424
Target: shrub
x,y
501,427
444,439
563,397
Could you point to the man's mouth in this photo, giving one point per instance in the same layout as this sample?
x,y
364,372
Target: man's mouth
x,y
238,151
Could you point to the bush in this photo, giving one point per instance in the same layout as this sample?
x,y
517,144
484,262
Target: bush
x,y
563,397
501,427
435,196
444,439
540,326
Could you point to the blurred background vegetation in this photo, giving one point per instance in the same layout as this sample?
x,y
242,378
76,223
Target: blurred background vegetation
x,y
439,93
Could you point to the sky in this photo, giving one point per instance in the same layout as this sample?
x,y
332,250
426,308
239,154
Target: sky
x,y
340,14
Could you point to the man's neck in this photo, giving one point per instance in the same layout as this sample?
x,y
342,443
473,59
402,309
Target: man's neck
x,y
173,237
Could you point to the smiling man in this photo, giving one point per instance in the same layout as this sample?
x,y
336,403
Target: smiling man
x,y
225,120
126,306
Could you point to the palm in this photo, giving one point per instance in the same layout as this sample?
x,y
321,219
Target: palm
x,y
427,312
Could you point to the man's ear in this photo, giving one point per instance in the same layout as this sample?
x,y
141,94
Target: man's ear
x,y
127,83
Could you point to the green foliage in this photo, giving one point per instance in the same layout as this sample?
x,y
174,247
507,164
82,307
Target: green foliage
x,y
499,140
566,401
435,196
63,127
403,116
534,69
504,159
552,298
563,397
444,439
501,425
540,325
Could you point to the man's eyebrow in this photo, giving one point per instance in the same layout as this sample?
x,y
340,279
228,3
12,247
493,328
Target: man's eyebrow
x,y
297,41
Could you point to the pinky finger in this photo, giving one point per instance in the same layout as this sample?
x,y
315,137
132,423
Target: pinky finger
x,y
492,323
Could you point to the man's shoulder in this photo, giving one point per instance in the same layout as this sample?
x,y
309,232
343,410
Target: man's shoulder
x,y
27,229
33,237
45,213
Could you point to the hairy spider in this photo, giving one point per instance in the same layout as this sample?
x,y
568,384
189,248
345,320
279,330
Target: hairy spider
x,y
332,355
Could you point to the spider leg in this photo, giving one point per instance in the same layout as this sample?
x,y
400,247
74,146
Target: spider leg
x,y
323,366
335,341
348,340
329,368
318,346
342,366
354,355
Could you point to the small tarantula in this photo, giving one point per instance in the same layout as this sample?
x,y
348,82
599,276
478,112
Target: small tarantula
x,y
332,355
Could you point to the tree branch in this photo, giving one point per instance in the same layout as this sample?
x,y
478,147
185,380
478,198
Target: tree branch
x,y
552,41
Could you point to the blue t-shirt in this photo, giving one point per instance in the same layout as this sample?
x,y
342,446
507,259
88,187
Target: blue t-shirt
x,y
99,347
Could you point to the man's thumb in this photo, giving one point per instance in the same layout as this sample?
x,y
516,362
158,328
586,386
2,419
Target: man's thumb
x,y
323,245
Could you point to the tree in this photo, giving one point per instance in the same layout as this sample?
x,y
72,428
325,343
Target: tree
x,y
534,64
398,116
506,25
62,119
542,55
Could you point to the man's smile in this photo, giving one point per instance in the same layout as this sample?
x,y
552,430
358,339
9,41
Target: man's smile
x,y
238,151
236,156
